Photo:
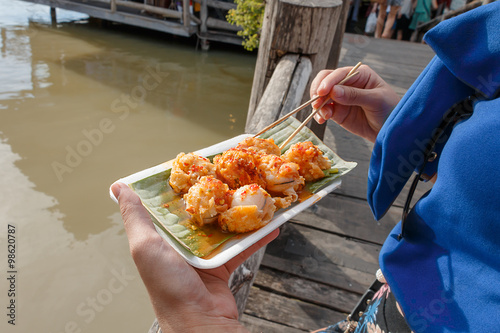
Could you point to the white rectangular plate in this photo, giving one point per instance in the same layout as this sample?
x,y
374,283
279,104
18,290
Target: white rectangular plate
x,y
239,243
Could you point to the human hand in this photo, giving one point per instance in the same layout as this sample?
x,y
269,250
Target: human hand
x,y
361,105
185,299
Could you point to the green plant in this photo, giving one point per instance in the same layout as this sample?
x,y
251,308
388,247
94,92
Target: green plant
x,y
249,15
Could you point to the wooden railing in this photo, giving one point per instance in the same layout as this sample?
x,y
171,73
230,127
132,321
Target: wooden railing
x,y
169,13
185,15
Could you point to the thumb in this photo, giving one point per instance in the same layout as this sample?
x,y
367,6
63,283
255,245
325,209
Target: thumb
x,y
346,95
136,218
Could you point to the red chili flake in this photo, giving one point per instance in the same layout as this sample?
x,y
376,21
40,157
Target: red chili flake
x,y
254,187
166,205
210,235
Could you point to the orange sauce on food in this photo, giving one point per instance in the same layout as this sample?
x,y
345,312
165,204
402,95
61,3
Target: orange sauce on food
x,y
208,237
218,249
304,195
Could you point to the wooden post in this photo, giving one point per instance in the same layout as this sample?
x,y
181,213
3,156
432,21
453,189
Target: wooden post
x,y
53,16
185,13
283,93
203,25
334,57
294,26
113,6
243,277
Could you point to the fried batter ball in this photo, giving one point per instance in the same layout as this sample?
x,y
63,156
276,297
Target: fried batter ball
x,y
260,146
238,167
282,179
251,208
206,199
187,169
309,158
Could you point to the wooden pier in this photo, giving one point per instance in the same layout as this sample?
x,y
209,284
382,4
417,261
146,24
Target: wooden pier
x,y
177,17
313,274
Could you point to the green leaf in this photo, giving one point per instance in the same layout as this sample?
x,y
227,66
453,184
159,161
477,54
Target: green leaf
x,y
168,211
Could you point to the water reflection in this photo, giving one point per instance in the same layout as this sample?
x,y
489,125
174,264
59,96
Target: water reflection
x,y
79,108
156,101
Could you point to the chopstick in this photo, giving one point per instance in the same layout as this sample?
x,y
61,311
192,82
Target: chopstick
x,y
282,119
351,74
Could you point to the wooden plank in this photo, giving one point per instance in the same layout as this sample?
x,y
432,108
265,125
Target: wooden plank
x,y
330,264
153,9
399,63
329,274
283,93
219,36
308,291
349,217
272,99
297,86
221,4
258,325
324,248
243,277
353,148
214,23
291,312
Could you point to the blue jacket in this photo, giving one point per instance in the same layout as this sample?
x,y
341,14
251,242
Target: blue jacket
x,y
445,273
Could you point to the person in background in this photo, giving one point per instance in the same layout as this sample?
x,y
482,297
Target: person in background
x,y
403,20
384,27
422,12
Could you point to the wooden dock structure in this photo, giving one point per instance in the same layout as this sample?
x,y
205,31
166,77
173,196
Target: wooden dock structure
x,y
175,17
313,274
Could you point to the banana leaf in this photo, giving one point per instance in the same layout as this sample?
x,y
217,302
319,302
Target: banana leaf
x,y
167,208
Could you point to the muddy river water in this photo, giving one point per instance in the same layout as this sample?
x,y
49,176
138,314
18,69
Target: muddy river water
x,y
81,106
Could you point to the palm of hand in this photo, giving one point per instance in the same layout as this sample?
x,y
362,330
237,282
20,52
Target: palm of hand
x,y
185,299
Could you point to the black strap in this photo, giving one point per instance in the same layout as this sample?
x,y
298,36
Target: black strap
x,y
363,303
461,110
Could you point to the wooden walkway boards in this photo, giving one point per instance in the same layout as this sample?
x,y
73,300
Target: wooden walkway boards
x,y
313,274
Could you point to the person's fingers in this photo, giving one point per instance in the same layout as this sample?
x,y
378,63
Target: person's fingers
x,y
329,81
324,114
232,264
317,81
